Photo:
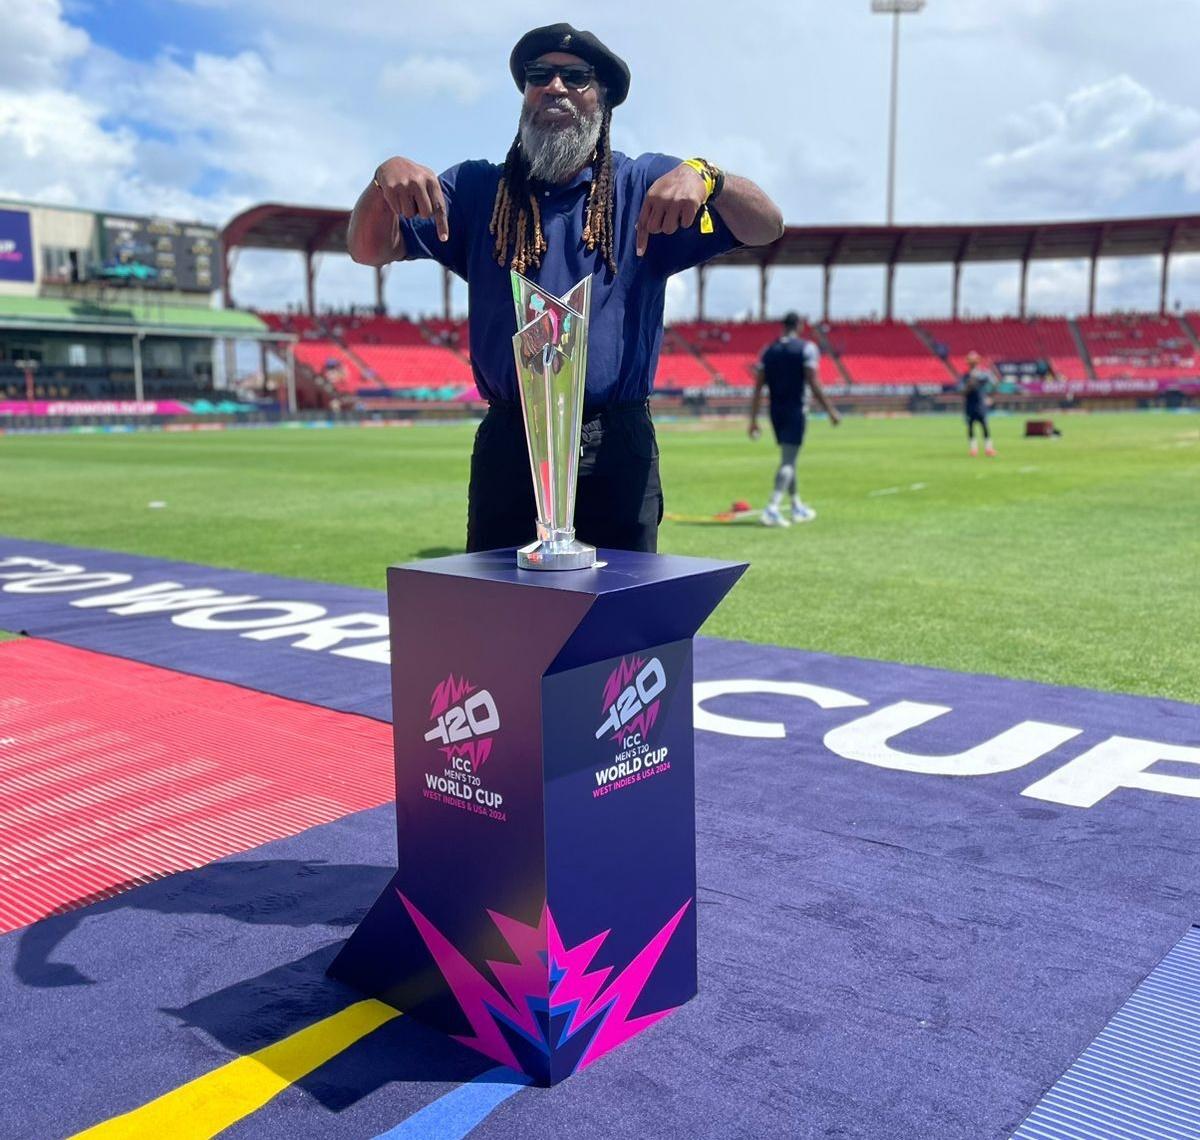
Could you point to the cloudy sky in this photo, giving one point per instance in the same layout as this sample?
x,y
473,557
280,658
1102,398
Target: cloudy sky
x,y
1009,110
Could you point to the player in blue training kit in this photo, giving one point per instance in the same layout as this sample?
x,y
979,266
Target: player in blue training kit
x,y
788,370
976,383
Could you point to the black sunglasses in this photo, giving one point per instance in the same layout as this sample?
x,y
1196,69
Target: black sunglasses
x,y
575,75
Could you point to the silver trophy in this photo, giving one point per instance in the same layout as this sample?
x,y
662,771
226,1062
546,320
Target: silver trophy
x,y
551,354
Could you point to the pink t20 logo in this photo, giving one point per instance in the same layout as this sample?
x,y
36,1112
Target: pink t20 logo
x,y
631,697
464,718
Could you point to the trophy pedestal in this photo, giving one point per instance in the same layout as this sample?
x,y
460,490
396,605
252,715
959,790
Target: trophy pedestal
x,y
544,908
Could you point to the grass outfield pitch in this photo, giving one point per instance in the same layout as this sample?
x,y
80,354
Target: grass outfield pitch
x,y
1074,561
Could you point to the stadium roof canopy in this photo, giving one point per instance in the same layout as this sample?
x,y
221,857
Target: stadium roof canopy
x,y
1034,241
310,230
306,229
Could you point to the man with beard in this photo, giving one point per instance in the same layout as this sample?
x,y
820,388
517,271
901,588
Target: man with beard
x,y
564,206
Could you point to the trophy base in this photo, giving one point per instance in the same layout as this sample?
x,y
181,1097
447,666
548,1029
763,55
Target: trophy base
x,y
544,555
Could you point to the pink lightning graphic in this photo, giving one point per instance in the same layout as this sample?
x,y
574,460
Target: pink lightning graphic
x,y
620,678
449,692
547,974
477,751
643,722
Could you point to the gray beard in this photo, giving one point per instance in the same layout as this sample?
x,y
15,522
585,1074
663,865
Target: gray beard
x,y
556,153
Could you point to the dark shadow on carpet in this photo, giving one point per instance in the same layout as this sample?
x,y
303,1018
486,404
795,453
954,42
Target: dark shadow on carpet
x,y
275,892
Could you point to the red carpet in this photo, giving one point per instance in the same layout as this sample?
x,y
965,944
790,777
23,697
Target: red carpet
x,y
114,773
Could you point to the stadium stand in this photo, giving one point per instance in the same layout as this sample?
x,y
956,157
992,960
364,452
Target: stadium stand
x,y
356,354
326,359
378,330
62,382
730,349
414,366
1009,339
388,360
453,334
299,323
681,370
83,348
879,365
680,366
884,352
1138,344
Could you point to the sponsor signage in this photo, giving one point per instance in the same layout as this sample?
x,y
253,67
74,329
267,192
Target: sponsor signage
x,y
464,723
1021,369
16,246
92,408
159,253
1124,386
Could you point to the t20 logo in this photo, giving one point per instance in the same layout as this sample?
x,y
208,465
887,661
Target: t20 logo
x,y
631,697
463,717
476,716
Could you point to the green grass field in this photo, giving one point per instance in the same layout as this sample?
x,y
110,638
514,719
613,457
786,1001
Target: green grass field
x,y
1072,560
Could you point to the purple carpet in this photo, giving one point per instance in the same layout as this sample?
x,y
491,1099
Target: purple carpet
x,y
922,893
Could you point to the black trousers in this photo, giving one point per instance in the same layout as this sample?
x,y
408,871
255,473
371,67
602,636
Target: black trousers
x,y
619,503
976,415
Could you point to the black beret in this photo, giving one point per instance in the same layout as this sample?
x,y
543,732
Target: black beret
x,y
611,68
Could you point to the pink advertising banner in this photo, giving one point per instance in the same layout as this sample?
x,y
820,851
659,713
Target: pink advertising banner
x,y
93,408
1124,386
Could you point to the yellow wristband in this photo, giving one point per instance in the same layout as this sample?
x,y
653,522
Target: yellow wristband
x,y
701,168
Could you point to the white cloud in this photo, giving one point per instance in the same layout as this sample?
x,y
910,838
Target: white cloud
x,y
1098,149
36,43
422,78
57,149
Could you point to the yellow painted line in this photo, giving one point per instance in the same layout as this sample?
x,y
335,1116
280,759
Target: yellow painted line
x,y
219,1099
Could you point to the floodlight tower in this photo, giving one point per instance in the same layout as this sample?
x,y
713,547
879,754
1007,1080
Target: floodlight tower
x,y
896,8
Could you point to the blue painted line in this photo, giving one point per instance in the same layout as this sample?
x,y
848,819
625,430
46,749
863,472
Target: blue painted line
x,y
1139,1079
454,1115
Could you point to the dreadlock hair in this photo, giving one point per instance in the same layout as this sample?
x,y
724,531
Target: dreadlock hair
x,y
517,219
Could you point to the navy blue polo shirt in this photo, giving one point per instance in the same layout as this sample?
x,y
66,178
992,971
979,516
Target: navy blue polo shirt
x,y
626,326
976,384
785,365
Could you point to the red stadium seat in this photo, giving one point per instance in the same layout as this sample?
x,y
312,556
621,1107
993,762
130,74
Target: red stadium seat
x,y
414,366
732,348
357,353
327,359
883,352
298,323
1139,345
1010,339
378,330
681,370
